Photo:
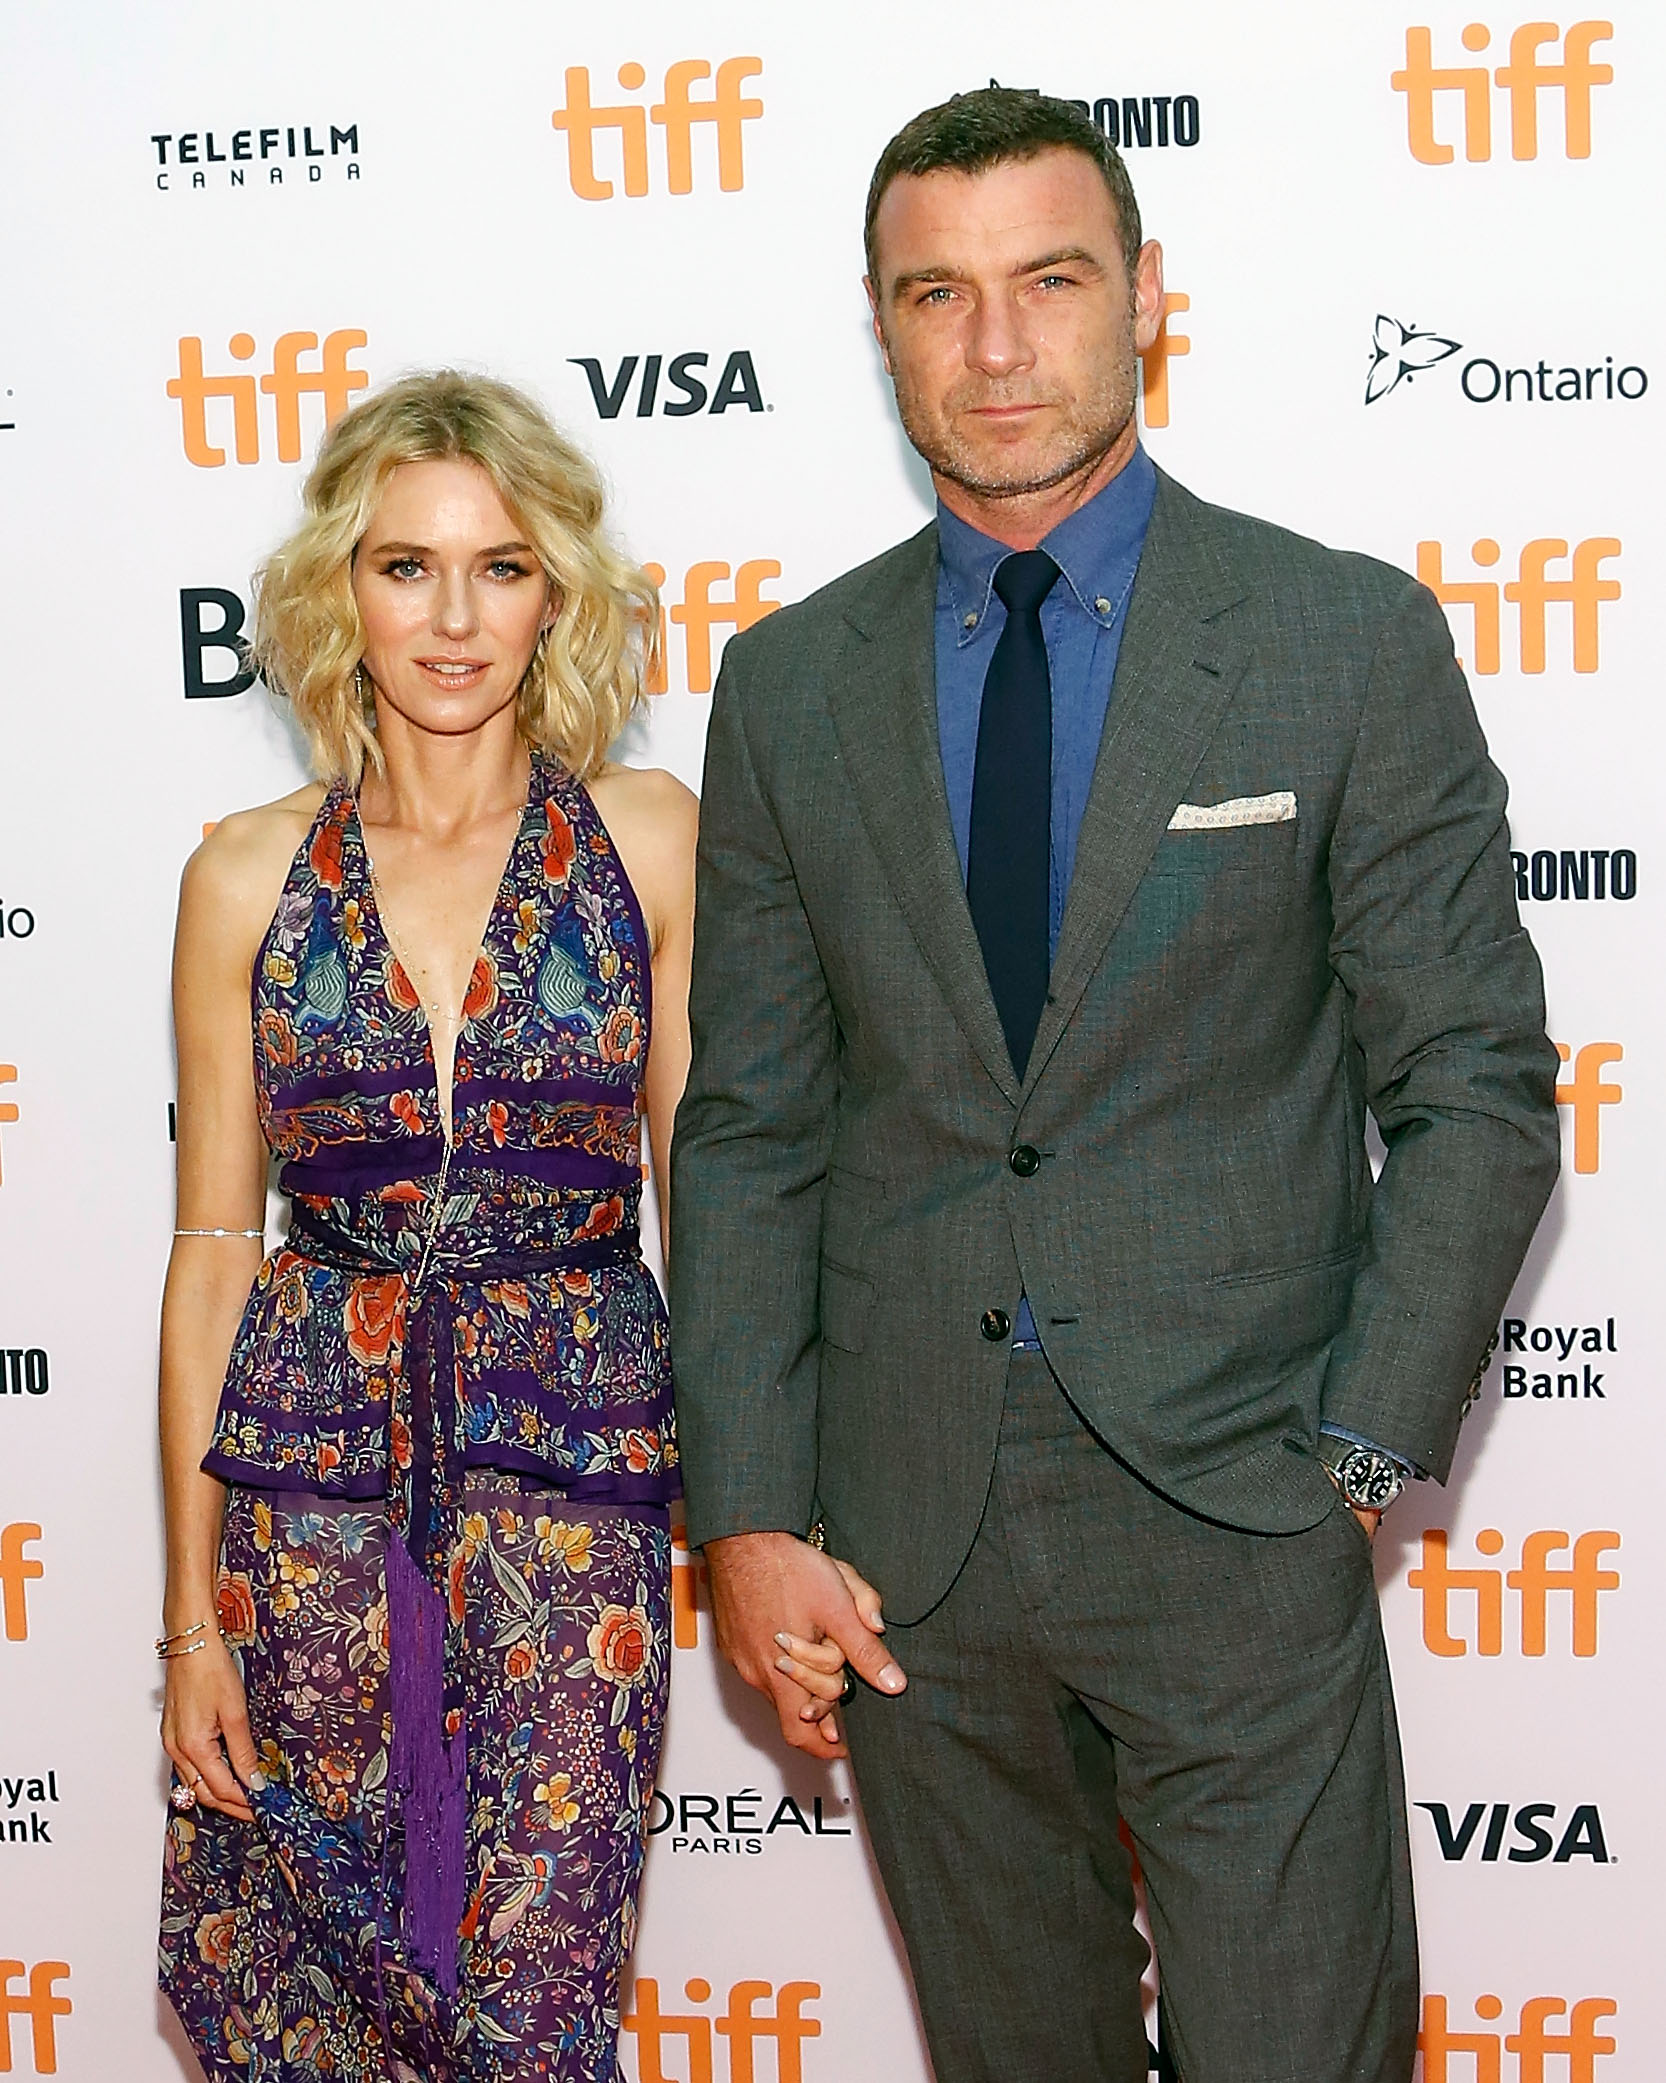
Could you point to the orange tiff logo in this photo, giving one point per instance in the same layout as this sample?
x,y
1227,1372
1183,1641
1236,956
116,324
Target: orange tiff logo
x,y
1533,2043
40,2004
726,109
1532,592
688,1569
1522,80
742,2025
8,1107
698,613
1585,1095
1154,362
285,383
17,1571
1584,1580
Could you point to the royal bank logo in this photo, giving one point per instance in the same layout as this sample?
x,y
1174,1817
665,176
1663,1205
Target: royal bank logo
x,y
1524,1836
687,388
285,384
26,1805
29,1997
1548,2028
274,155
1401,353
1543,60
1556,1361
1464,1607
677,115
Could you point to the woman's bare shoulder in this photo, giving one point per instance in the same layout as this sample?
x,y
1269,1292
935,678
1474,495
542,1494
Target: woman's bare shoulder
x,y
649,798
243,860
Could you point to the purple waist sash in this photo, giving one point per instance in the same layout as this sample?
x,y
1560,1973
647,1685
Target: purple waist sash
x,y
427,1756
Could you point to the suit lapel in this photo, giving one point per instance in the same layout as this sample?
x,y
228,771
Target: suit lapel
x,y
884,709
1177,669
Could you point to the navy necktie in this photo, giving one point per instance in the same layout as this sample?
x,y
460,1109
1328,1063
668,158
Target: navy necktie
x,y
1008,860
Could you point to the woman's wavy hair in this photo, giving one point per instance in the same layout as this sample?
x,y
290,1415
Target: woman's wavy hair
x,y
586,676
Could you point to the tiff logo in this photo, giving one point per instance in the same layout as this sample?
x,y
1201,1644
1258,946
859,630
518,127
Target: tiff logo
x,y
285,383
697,613
1531,592
1522,79
1584,1580
9,1111
1533,2043
1585,1095
40,2004
677,113
688,1570
18,1571
741,2025
1154,362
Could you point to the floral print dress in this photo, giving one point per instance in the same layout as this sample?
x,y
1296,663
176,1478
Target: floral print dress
x,y
447,1437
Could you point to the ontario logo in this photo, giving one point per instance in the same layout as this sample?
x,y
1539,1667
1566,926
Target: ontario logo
x,y
1401,353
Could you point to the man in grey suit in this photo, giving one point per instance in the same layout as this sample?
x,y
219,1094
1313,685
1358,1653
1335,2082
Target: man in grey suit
x,y
1073,878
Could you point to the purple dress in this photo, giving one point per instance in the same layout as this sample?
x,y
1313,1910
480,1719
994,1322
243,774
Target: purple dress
x,y
447,1436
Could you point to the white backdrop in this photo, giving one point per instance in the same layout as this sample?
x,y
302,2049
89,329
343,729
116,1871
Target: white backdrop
x,y
1475,197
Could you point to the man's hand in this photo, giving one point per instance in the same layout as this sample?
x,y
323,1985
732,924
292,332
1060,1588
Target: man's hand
x,y
1369,1519
768,1585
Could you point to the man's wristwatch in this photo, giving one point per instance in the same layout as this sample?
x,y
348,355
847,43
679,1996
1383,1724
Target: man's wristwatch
x,y
1369,1479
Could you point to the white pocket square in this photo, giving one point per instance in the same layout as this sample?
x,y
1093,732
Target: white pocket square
x,y
1277,809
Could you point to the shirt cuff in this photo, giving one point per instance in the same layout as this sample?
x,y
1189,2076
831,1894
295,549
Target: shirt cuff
x,y
1407,1468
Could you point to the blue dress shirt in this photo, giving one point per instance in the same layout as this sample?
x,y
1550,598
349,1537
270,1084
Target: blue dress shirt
x,y
1097,550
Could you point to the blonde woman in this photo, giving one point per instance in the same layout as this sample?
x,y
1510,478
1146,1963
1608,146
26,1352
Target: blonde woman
x,y
418,1460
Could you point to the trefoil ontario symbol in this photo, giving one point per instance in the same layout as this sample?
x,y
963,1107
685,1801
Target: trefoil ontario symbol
x,y
1400,352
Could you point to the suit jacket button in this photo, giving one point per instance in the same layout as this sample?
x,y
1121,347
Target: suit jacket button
x,y
995,1325
1025,1161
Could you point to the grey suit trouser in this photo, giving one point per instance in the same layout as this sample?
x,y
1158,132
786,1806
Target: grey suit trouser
x,y
1102,1654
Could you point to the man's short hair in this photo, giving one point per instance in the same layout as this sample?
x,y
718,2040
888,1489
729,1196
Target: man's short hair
x,y
990,127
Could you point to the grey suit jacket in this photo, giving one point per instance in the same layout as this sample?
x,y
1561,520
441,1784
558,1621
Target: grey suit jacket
x,y
1210,1265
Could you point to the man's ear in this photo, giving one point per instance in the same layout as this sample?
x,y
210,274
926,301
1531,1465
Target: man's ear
x,y
878,323
1148,295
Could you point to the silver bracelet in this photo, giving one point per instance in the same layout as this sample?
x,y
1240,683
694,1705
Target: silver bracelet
x,y
219,1233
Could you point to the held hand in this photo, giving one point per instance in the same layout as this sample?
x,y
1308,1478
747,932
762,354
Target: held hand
x,y
768,1585
205,1721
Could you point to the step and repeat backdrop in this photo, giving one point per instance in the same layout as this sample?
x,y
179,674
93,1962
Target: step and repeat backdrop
x,y
1414,307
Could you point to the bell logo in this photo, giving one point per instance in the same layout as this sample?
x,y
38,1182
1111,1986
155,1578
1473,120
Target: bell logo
x,y
741,2025
8,1107
1154,362
697,613
725,109
1585,1096
1584,1580
334,380
1521,79
41,2005
1531,592
687,1570
17,1571
1532,2043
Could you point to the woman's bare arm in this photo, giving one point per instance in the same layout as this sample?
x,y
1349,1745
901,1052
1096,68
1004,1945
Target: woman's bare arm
x,y
230,889
653,821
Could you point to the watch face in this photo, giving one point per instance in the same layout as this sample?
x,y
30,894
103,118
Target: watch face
x,y
1371,1481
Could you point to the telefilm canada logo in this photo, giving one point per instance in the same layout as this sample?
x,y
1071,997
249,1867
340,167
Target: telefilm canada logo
x,y
263,155
1400,353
